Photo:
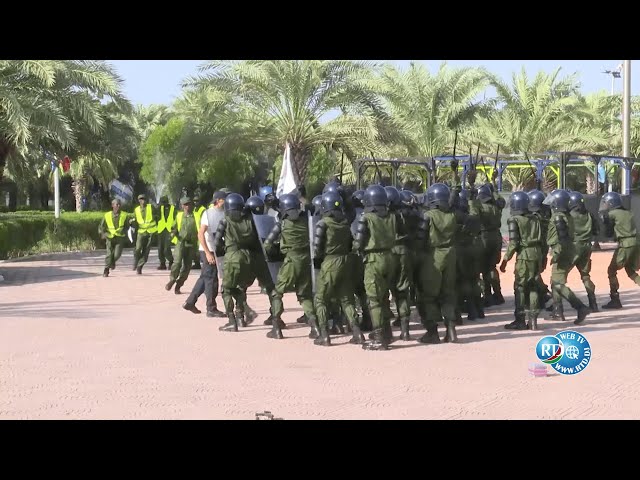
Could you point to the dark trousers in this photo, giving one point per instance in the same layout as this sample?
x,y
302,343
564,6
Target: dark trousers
x,y
207,283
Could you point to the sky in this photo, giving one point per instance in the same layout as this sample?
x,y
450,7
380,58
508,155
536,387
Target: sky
x,y
158,81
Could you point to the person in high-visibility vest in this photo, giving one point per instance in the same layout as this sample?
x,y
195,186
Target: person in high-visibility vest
x,y
112,228
198,210
166,220
146,224
185,238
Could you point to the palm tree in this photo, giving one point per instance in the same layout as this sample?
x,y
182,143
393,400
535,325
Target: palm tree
x,y
427,110
536,116
97,157
275,102
44,102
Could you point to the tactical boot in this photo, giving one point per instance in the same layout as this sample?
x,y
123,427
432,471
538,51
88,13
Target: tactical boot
x,y
378,342
451,335
472,313
169,285
139,270
388,332
105,273
323,339
593,304
458,320
190,308
583,311
215,313
518,324
250,314
135,266
162,266
240,319
480,310
558,312
357,338
313,334
268,321
365,324
276,331
177,289
231,325
550,308
113,266
489,301
397,322
431,336
498,299
533,320
404,330
614,304
302,319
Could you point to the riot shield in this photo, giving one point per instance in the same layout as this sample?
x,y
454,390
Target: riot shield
x,y
264,224
313,221
354,224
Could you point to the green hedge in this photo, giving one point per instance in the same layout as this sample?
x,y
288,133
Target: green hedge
x,y
26,233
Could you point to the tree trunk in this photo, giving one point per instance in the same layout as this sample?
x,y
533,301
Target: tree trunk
x,y
591,184
5,150
300,156
79,189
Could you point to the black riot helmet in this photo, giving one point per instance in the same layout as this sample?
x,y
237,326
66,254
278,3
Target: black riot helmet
x,y
407,198
463,200
576,202
356,199
333,186
393,197
558,200
255,205
375,198
519,203
611,201
536,199
437,197
289,206
317,204
485,193
332,205
233,202
234,205
271,201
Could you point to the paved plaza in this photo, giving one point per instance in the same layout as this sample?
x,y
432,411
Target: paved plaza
x,y
75,345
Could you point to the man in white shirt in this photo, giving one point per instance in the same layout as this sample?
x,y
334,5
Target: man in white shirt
x,y
207,283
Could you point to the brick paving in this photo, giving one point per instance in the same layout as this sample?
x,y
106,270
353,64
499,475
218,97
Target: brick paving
x,y
79,346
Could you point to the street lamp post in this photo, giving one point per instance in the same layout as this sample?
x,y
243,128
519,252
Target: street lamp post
x,y
626,125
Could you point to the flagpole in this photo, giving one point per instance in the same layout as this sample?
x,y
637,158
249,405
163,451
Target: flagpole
x,y
56,190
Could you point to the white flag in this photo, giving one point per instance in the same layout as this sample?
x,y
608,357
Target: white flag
x,y
287,182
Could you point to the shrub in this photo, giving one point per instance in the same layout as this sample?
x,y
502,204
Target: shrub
x,y
25,233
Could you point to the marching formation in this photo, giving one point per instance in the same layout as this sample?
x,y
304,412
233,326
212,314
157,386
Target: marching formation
x,y
348,255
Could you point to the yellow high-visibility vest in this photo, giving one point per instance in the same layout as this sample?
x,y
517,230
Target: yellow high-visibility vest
x,y
165,224
197,213
148,226
174,240
113,231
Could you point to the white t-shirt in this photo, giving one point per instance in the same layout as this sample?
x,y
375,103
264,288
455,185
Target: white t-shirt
x,y
218,214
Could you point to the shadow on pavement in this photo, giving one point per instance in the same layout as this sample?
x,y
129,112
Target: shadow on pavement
x,y
16,276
